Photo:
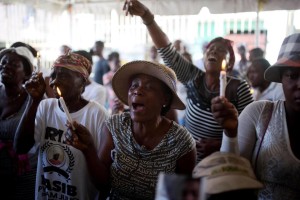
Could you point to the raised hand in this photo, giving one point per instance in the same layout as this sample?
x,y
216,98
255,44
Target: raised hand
x,y
225,114
36,86
80,138
134,7
118,106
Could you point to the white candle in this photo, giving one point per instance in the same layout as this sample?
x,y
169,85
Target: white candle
x,y
65,108
223,79
38,64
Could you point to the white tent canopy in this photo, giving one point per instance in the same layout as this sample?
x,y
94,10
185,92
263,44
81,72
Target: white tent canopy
x,y
164,7
46,24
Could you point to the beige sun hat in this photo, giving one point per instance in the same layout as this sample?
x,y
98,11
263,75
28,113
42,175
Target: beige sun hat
x,y
289,56
224,172
120,81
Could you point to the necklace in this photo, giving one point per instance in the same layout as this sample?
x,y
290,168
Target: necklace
x,y
16,97
137,155
13,99
22,91
208,93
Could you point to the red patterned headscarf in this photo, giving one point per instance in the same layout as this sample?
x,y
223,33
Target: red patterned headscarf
x,y
74,62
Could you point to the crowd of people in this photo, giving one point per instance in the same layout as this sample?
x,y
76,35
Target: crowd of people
x,y
118,134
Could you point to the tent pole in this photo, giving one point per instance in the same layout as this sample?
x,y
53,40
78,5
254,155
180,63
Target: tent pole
x,y
257,31
70,11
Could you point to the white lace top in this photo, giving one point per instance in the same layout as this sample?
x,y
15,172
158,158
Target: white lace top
x,y
277,167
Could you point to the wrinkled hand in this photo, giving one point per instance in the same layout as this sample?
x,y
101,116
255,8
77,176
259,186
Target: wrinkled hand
x,y
118,106
36,86
208,146
134,7
225,114
80,137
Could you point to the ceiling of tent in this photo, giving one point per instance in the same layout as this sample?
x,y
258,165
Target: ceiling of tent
x,y
164,7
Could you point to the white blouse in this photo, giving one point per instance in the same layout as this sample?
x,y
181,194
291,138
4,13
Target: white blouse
x,y
277,166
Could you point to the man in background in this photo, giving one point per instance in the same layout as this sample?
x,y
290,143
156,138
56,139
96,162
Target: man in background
x,y
263,89
101,66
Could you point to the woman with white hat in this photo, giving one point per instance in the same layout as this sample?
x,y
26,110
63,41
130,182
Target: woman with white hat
x,y
268,132
137,145
17,172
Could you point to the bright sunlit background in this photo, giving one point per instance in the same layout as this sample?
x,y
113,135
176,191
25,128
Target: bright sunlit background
x,y
47,30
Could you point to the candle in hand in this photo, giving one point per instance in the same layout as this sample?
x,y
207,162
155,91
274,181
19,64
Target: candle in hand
x,y
223,79
38,64
64,106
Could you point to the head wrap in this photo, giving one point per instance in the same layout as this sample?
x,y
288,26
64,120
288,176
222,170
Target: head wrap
x,y
74,62
228,44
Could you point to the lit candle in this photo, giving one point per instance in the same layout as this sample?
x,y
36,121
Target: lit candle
x,y
64,106
38,64
223,79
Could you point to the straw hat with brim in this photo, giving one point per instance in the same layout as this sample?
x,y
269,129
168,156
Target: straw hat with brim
x,y
120,81
224,172
230,182
289,56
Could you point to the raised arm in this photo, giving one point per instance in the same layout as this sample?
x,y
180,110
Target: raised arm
x,y
134,7
24,136
185,71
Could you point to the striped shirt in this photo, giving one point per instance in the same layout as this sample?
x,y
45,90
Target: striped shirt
x,y
135,169
199,119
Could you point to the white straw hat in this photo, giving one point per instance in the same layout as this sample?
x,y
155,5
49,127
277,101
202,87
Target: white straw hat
x,y
224,172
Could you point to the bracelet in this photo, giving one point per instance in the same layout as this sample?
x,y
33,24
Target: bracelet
x,y
148,18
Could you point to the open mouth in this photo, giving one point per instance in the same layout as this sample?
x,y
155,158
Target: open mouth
x,y
138,106
212,59
297,99
4,73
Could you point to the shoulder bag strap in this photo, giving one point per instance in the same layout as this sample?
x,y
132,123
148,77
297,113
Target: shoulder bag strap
x,y
267,114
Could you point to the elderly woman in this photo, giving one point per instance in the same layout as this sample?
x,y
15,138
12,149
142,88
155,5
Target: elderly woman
x,y
62,170
17,174
268,132
137,145
201,86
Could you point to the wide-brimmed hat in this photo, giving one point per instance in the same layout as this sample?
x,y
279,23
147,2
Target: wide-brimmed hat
x,y
224,172
120,81
289,56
